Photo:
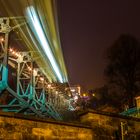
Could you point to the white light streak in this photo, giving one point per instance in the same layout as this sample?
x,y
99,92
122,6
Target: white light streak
x,y
43,40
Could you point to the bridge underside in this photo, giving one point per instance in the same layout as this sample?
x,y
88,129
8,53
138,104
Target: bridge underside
x,y
32,81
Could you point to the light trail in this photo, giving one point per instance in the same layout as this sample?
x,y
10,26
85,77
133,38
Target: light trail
x,y
34,22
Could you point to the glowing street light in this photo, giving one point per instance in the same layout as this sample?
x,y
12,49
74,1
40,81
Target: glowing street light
x,y
11,50
29,68
75,97
72,90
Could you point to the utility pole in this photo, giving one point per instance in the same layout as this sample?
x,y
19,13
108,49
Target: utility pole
x,y
123,130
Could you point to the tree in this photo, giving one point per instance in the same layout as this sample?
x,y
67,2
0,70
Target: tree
x,y
123,68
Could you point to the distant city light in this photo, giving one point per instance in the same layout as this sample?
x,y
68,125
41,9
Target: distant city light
x,y
75,97
93,94
72,90
84,94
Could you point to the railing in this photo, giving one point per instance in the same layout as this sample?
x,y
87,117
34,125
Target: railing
x,y
135,112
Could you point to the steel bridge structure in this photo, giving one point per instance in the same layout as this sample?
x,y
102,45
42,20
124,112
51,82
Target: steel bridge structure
x,y
24,88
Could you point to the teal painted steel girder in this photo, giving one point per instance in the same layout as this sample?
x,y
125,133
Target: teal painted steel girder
x,y
131,112
3,82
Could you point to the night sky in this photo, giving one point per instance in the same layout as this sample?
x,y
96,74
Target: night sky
x,y
87,28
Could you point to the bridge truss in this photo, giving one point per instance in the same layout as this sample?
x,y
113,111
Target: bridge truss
x,y
28,91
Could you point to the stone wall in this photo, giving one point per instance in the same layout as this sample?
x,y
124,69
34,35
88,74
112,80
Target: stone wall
x,y
109,126
97,126
19,127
